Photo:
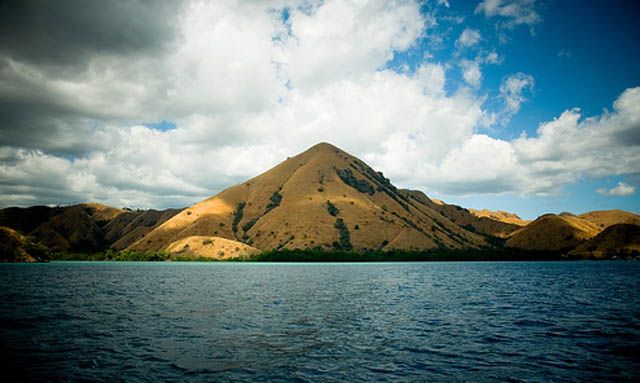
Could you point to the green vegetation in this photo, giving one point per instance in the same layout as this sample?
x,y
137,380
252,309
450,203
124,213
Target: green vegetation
x,y
249,224
404,256
344,244
237,217
111,255
346,175
15,247
128,255
332,209
274,201
338,255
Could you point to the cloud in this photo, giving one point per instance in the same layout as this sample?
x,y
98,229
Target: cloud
x,y
471,72
622,189
468,38
512,92
564,53
491,58
248,84
564,150
513,12
342,39
66,37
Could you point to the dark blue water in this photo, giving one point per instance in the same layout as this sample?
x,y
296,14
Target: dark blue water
x,y
564,321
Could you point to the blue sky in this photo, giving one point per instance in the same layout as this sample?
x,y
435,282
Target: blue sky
x,y
581,55
520,105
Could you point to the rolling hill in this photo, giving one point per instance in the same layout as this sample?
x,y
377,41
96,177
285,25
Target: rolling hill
x,y
15,247
620,239
552,232
86,227
606,218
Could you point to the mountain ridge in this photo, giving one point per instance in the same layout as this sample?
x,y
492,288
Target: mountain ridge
x,y
320,199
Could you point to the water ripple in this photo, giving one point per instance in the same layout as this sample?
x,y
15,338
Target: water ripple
x,y
514,322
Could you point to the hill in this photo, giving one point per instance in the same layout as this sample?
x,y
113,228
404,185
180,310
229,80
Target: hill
x,y
552,232
15,247
467,219
616,240
323,198
212,247
86,227
606,218
500,216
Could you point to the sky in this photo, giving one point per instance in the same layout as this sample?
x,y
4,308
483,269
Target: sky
x,y
521,105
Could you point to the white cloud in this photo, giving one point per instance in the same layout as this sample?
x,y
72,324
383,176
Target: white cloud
x,y
471,72
622,189
246,90
492,58
512,92
468,38
514,12
343,39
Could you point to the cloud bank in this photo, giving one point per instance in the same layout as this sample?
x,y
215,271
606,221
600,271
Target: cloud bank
x,y
248,84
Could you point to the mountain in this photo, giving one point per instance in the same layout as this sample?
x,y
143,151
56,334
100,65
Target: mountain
x,y
129,226
552,232
467,219
15,247
86,227
619,239
323,198
500,216
606,218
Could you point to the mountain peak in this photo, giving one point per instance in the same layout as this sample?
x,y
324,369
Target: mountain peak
x,y
321,198
324,146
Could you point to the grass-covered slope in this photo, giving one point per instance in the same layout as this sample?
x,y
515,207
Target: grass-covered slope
x,y
288,207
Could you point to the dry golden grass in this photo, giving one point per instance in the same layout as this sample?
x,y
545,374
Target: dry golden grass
x,y
552,232
606,218
500,216
465,218
375,220
212,247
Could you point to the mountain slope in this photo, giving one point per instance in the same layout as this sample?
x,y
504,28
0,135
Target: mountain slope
x,y
212,247
606,218
617,239
130,226
552,232
321,198
86,227
501,216
15,247
466,218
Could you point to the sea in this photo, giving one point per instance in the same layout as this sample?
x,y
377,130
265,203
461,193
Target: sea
x,y
321,322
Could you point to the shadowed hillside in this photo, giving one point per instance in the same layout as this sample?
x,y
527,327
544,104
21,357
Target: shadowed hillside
x,y
86,227
501,216
466,218
552,232
616,240
15,247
